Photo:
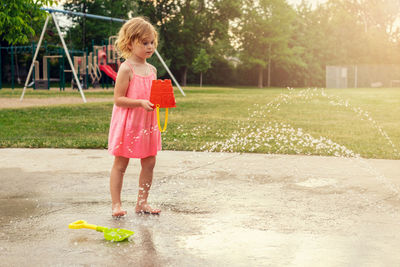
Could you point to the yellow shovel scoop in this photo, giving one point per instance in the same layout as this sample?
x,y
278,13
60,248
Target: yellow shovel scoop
x,y
111,234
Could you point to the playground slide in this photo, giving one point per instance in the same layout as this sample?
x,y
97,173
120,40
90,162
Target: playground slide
x,y
108,71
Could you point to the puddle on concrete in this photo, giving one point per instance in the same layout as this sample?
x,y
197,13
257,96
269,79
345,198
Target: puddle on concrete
x,y
185,210
233,245
17,208
320,182
232,216
93,157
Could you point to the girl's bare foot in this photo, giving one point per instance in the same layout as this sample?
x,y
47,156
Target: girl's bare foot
x,y
117,211
146,209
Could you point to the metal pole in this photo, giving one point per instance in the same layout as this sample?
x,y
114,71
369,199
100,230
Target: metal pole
x,y
12,67
60,69
33,78
63,70
355,76
52,10
87,68
69,58
169,72
0,69
48,73
34,57
107,52
34,68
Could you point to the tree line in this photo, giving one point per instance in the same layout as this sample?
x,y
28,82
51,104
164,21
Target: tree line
x,y
245,42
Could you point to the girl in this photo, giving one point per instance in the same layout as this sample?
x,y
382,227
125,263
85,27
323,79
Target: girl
x,y
133,129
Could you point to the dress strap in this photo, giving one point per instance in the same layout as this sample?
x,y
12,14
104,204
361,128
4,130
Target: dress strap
x,y
150,69
130,66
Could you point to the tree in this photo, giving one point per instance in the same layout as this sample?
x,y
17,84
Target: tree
x,y
85,30
311,37
379,21
187,25
345,32
359,31
201,64
18,19
264,32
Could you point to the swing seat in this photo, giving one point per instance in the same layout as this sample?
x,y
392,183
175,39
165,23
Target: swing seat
x,y
162,94
42,84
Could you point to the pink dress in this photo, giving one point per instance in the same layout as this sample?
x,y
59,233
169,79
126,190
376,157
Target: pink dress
x,y
134,132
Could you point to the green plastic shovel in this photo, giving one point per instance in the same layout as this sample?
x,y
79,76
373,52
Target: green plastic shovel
x,y
111,234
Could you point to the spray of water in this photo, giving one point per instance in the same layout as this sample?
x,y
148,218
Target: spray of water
x,y
309,94
283,138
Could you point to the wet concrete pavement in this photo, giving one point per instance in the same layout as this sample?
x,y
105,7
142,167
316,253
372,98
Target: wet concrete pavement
x,y
218,209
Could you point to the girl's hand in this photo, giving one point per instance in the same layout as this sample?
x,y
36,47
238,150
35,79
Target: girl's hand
x,y
147,105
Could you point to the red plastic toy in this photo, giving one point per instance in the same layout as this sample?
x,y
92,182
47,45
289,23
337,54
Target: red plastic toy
x,y
162,96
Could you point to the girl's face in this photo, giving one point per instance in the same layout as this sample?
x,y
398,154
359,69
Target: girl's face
x,y
145,48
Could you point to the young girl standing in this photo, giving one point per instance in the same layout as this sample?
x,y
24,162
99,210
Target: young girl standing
x,y
134,131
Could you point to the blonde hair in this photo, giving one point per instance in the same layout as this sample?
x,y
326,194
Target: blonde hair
x,y
134,30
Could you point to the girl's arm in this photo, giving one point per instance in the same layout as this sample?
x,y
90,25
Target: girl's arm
x,y
121,85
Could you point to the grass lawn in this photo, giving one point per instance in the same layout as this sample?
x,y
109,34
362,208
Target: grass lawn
x,y
341,122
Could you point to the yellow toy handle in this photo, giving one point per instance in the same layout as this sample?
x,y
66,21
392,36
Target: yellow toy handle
x,y
158,118
82,224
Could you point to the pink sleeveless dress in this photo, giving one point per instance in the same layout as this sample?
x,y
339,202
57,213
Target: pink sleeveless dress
x,y
134,132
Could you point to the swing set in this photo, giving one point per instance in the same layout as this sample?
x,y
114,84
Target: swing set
x,y
94,60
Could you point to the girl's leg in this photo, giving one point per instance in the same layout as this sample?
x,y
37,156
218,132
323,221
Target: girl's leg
x,y
116,179
145,180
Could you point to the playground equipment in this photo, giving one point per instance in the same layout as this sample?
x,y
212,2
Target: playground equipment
x,y
112,57
96,62
111,234
11,54
94,71
44,83
104,67
80,66
50,55
109,71
112,52
66,53
162,96
86,65
91,66
10,51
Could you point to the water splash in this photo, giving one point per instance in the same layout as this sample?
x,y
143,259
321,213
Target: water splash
x,y
283,138
309,94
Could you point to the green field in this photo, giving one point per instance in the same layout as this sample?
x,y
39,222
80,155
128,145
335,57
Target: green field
x,y
340,122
